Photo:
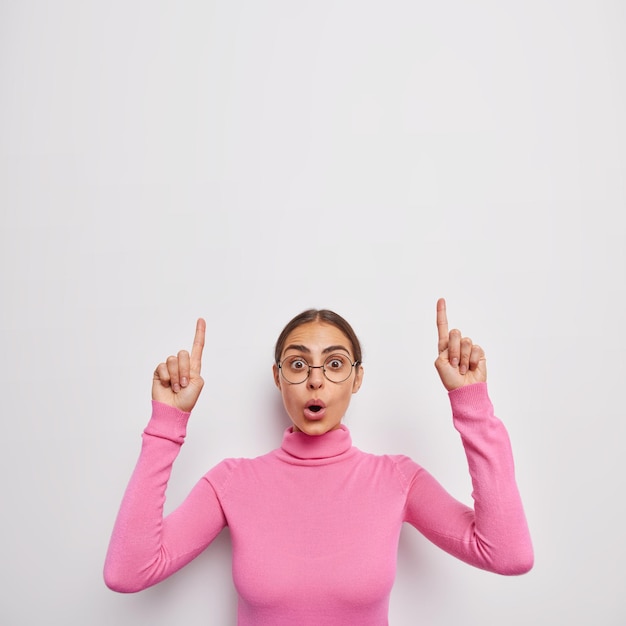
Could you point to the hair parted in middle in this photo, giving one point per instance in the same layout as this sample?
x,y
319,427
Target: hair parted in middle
x,y
319,315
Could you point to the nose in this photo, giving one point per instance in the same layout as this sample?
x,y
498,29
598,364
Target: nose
x,y
316,377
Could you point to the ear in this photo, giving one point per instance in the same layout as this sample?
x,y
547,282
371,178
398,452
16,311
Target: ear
x,y
276,375
358,379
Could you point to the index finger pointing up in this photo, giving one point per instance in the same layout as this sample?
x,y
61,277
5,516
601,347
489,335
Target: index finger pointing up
x,y
198,345
442,324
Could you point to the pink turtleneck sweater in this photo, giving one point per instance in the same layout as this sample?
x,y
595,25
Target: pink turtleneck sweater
x,y
315,523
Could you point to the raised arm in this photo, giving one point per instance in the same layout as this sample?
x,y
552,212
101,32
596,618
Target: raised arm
x,y
145,548
493,534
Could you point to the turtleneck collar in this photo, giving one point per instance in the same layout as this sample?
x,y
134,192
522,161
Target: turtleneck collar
x,y
327,447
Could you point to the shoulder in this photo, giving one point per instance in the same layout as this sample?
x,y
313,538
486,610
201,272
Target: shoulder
x,y
398,466
235,468
405,466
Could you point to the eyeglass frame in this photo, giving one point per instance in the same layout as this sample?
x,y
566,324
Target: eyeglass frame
x,y
316,367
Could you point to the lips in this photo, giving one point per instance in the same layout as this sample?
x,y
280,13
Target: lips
x,y
314,410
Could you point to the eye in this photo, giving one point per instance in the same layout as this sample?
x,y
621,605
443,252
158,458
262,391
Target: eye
x,y
336,363
297,364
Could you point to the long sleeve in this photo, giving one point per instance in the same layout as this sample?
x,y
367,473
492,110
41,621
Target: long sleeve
x,y
145,547
494,534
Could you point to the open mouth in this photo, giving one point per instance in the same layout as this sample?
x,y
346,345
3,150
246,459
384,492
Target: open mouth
x,y
315,410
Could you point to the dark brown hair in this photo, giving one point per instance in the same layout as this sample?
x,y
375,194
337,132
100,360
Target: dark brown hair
x,y
319,315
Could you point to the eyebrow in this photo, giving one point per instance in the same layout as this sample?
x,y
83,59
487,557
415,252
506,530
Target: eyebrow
x,y
302,348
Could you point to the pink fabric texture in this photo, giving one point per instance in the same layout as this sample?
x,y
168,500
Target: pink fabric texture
x,y
315,523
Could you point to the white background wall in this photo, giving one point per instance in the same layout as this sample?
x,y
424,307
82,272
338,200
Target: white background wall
x,y
244,160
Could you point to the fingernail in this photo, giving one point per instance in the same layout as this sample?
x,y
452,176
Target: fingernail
x,y
454,362
462,369
184,382
176,388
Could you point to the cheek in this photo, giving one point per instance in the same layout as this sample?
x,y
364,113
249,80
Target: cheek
x,y
289,395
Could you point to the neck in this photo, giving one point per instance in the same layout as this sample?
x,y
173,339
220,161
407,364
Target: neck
x,y
330,446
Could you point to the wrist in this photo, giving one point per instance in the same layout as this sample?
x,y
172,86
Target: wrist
x,y
167,422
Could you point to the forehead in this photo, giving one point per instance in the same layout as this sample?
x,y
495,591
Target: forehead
x,y
316,336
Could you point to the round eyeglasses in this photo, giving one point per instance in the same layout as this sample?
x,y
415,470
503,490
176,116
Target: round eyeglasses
x,y
295,370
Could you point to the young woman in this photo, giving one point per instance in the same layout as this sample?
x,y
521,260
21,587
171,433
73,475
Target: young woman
x,y
315,523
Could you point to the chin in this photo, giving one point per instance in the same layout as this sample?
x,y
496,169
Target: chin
x,y
315,428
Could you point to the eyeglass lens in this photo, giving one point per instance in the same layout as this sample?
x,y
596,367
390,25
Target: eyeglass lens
x,y
336,368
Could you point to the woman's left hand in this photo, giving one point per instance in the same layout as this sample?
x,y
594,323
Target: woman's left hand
x,y
460,362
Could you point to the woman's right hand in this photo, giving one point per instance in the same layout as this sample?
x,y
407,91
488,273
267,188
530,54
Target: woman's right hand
x,y
177,382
